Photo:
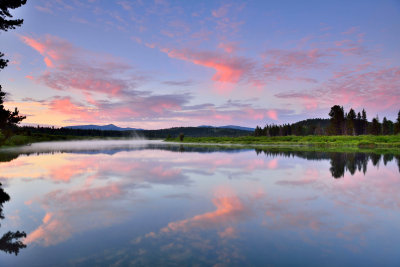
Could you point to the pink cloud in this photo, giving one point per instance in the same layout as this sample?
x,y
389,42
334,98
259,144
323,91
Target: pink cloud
x,y
280,64
229,209
272,164
74,68
357,87
66,106
61,224
221,11
272,114
66,172
228,69
229,232
309,101
48,62
228,47
378,89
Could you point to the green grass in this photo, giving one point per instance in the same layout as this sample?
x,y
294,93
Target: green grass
x,y
364,141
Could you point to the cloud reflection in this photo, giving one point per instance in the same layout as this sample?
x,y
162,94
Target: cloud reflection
x,y
276,194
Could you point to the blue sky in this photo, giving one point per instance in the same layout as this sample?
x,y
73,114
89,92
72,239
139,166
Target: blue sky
x,y
156,64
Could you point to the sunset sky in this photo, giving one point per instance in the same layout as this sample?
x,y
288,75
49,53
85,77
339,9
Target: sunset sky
x,y
158,64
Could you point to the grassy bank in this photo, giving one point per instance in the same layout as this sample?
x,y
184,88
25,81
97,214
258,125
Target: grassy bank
x,y
364,141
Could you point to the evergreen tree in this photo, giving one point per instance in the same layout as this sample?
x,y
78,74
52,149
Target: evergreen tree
x,y
337,121
364,122
397,124
258,131
375,127
6,23
8,118
350,122
387,126
357,124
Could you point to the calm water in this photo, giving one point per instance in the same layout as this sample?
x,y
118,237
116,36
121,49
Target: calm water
x,y
125,203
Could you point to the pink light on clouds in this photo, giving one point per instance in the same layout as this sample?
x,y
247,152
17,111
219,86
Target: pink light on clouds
x,y
48,62
308,101
221,11
228,68
229,209
272,114
229,47
74,68
66,106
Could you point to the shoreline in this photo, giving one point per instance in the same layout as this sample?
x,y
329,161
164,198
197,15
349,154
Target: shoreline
x,y
315,143
366,143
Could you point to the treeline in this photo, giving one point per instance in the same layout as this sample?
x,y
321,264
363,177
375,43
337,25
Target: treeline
x,y
340,162
152,134
340,123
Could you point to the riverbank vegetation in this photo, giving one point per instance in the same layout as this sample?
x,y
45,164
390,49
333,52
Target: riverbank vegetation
x,y
340,123
362,141
341,130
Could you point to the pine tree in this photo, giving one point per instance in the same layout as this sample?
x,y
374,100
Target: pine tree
x,y
7,117
357,124
337,121
364,122
375,127
397,124
6,23
350,122
387,126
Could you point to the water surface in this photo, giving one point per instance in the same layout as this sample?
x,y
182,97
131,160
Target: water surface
x,y
120,203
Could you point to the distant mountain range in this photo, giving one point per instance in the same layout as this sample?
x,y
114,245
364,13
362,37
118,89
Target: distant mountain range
x,y
229,127
112,127
109,127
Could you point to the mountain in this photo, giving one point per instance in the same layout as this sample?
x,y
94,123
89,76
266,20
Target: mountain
x,y
112,127
194,132
114,131
235,127
238,128
109,127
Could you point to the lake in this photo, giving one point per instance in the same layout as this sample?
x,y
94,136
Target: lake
x,y
150,203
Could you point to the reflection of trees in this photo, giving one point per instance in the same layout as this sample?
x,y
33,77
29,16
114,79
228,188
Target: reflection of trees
x,y
398,161
10,154
340,162
6,156
9,242
338,165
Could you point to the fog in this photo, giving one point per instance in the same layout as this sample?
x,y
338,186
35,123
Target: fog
x,y
82,145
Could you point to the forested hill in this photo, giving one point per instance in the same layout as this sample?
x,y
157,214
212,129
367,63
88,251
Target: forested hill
x,y
154,134
310,126
313,123
201,131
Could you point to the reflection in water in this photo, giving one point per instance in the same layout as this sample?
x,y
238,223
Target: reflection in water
x,y
9,242
155,204
340,161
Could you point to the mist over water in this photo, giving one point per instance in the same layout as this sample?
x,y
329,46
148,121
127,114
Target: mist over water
x,y
82,145
141,202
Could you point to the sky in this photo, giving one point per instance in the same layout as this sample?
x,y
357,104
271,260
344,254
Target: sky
x,y
160,64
